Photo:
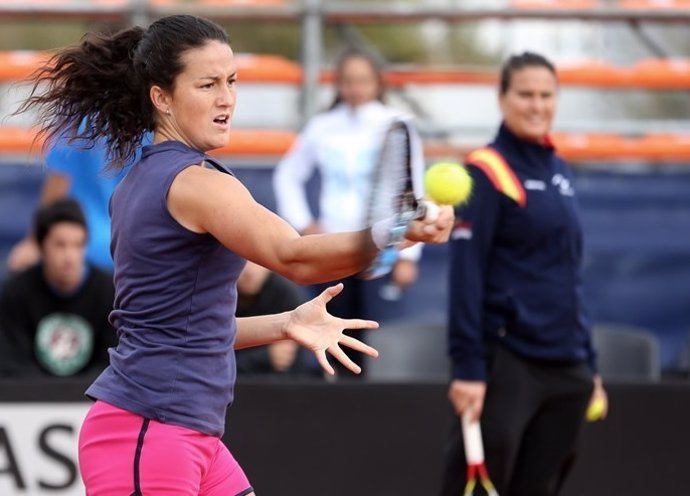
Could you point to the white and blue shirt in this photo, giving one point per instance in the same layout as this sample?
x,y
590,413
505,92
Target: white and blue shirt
x,y
344,144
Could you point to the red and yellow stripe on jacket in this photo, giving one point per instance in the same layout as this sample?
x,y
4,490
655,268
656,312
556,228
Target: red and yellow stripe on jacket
x,y
499,173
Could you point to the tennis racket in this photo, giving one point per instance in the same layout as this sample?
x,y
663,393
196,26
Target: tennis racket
x,y
395,198
477,475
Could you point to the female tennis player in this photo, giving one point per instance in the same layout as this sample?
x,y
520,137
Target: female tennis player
x,y
181,234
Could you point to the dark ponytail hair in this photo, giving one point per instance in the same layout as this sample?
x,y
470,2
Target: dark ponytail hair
x,y
100,88
516,63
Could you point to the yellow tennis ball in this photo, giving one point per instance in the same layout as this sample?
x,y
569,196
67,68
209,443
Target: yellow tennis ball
x,y
448,183
595,409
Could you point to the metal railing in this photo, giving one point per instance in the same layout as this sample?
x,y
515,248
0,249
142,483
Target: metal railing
x,y
314,14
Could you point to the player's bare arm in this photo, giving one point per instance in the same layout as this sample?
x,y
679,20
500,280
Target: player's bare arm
x,y
204,200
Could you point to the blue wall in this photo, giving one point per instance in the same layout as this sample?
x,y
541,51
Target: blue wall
x,y
637,264
19,188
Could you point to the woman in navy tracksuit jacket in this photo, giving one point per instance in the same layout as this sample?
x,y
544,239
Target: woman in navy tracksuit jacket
x,y
519,339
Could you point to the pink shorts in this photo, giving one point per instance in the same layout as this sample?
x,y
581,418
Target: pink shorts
x,y
123,454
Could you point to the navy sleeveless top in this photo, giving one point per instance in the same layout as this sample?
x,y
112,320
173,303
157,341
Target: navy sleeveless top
x,y
175,300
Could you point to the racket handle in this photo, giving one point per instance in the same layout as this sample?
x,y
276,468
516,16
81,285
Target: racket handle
x,y
428,211
472,437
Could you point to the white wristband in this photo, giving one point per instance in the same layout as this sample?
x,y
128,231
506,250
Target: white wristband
x,y
432,211
381,232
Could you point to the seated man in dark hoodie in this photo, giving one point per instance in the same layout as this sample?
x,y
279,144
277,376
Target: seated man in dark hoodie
x,y
54,315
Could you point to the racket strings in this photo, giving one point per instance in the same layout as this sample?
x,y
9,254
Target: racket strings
x,y
389,185
404,200
392,203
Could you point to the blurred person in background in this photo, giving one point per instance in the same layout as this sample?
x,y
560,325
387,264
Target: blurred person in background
x,y
519,338
76,171
54,315
263,292
343,143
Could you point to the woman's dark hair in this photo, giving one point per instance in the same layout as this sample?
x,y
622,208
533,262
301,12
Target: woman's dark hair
x,y
64,210
376,67
100,88
518,62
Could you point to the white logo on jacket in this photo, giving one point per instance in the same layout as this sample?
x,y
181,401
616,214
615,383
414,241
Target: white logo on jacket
x,y
535,184
563,185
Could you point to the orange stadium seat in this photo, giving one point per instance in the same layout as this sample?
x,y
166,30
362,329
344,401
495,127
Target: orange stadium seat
x,y
402,77
590,146
32,2
38,3
228,3
251,3
267,69
17,65
19,140
655,4
652,74
593,73
583,147
660,147
395,78
665,147
554,4
244,142
671,74
257,143
656,73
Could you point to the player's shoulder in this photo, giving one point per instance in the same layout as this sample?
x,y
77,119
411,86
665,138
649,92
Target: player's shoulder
x,y
205,173
198,185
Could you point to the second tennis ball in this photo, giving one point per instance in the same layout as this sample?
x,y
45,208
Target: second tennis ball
x,y
448,183
596,409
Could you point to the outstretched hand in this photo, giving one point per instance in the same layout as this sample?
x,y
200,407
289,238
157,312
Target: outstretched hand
x,y
313,327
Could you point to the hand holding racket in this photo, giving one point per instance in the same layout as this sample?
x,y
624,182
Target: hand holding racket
x,y
477,475
397,213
